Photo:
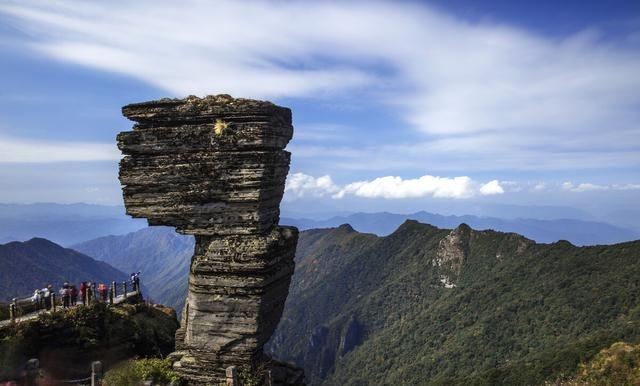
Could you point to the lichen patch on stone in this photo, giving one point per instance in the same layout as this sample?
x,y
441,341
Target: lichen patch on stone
x,y
220,127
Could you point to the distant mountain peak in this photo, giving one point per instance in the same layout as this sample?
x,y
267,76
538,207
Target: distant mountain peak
x,y
346,228
411,225
463,228
41,241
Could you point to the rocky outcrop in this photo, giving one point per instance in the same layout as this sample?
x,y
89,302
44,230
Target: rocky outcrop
x,y
352,337
215,168
210,166
451,255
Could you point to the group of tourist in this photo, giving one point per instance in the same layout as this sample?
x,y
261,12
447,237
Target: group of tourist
x,y
68,293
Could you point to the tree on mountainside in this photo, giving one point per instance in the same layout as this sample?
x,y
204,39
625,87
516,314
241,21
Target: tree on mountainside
x,y
617,365
464,307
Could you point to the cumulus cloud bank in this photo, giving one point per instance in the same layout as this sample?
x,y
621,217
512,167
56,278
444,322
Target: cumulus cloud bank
x,y
301,185
390,187
396,187
491,188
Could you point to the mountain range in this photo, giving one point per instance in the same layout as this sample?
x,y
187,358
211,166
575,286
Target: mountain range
x,y
64,224
163,256
419,306
458,306
578,232
35,263
70,224
429,306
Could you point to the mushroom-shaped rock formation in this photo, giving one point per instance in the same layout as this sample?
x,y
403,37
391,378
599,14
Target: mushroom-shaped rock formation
x,y
215,168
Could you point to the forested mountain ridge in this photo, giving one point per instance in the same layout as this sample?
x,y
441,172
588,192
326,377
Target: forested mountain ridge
x,y
577,231
425,306
34,264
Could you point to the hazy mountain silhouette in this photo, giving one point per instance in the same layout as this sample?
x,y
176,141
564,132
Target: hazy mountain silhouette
x,y
64,224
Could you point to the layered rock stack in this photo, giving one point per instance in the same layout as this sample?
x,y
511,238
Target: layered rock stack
x,y
215,168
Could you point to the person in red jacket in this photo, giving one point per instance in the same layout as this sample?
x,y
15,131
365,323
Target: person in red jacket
x,y
83,292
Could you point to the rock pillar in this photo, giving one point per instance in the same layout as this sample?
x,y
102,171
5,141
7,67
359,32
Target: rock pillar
x,y
215,168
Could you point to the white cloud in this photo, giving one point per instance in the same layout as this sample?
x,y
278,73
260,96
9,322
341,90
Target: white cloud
x,y
395,187
589,187
300,184
539,187
626,186
390,187
29,151
462,187
491,188
471,88
583,187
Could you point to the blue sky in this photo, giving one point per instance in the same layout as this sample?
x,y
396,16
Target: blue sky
x,y
397,105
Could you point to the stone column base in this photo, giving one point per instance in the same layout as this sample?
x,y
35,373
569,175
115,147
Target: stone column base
x,y
267,370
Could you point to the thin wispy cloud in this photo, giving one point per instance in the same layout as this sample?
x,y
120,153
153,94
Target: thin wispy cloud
x,y
496,93
590,187
34,151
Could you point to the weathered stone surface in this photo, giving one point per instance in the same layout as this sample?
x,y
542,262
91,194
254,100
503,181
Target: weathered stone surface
x,y
212,165
215,167
193,110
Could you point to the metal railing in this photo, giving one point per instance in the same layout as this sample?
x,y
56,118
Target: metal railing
x,y
33,375
23,307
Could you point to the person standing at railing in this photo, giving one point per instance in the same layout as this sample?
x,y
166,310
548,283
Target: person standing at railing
x,y
64,294
41,297
83,292
102,290
91,293
135,281
36,299
73,295
47,296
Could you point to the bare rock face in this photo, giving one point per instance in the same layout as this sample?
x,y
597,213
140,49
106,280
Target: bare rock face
x,y
451,255
215,168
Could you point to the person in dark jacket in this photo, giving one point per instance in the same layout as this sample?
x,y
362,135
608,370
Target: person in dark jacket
x,y
73,294
102,290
